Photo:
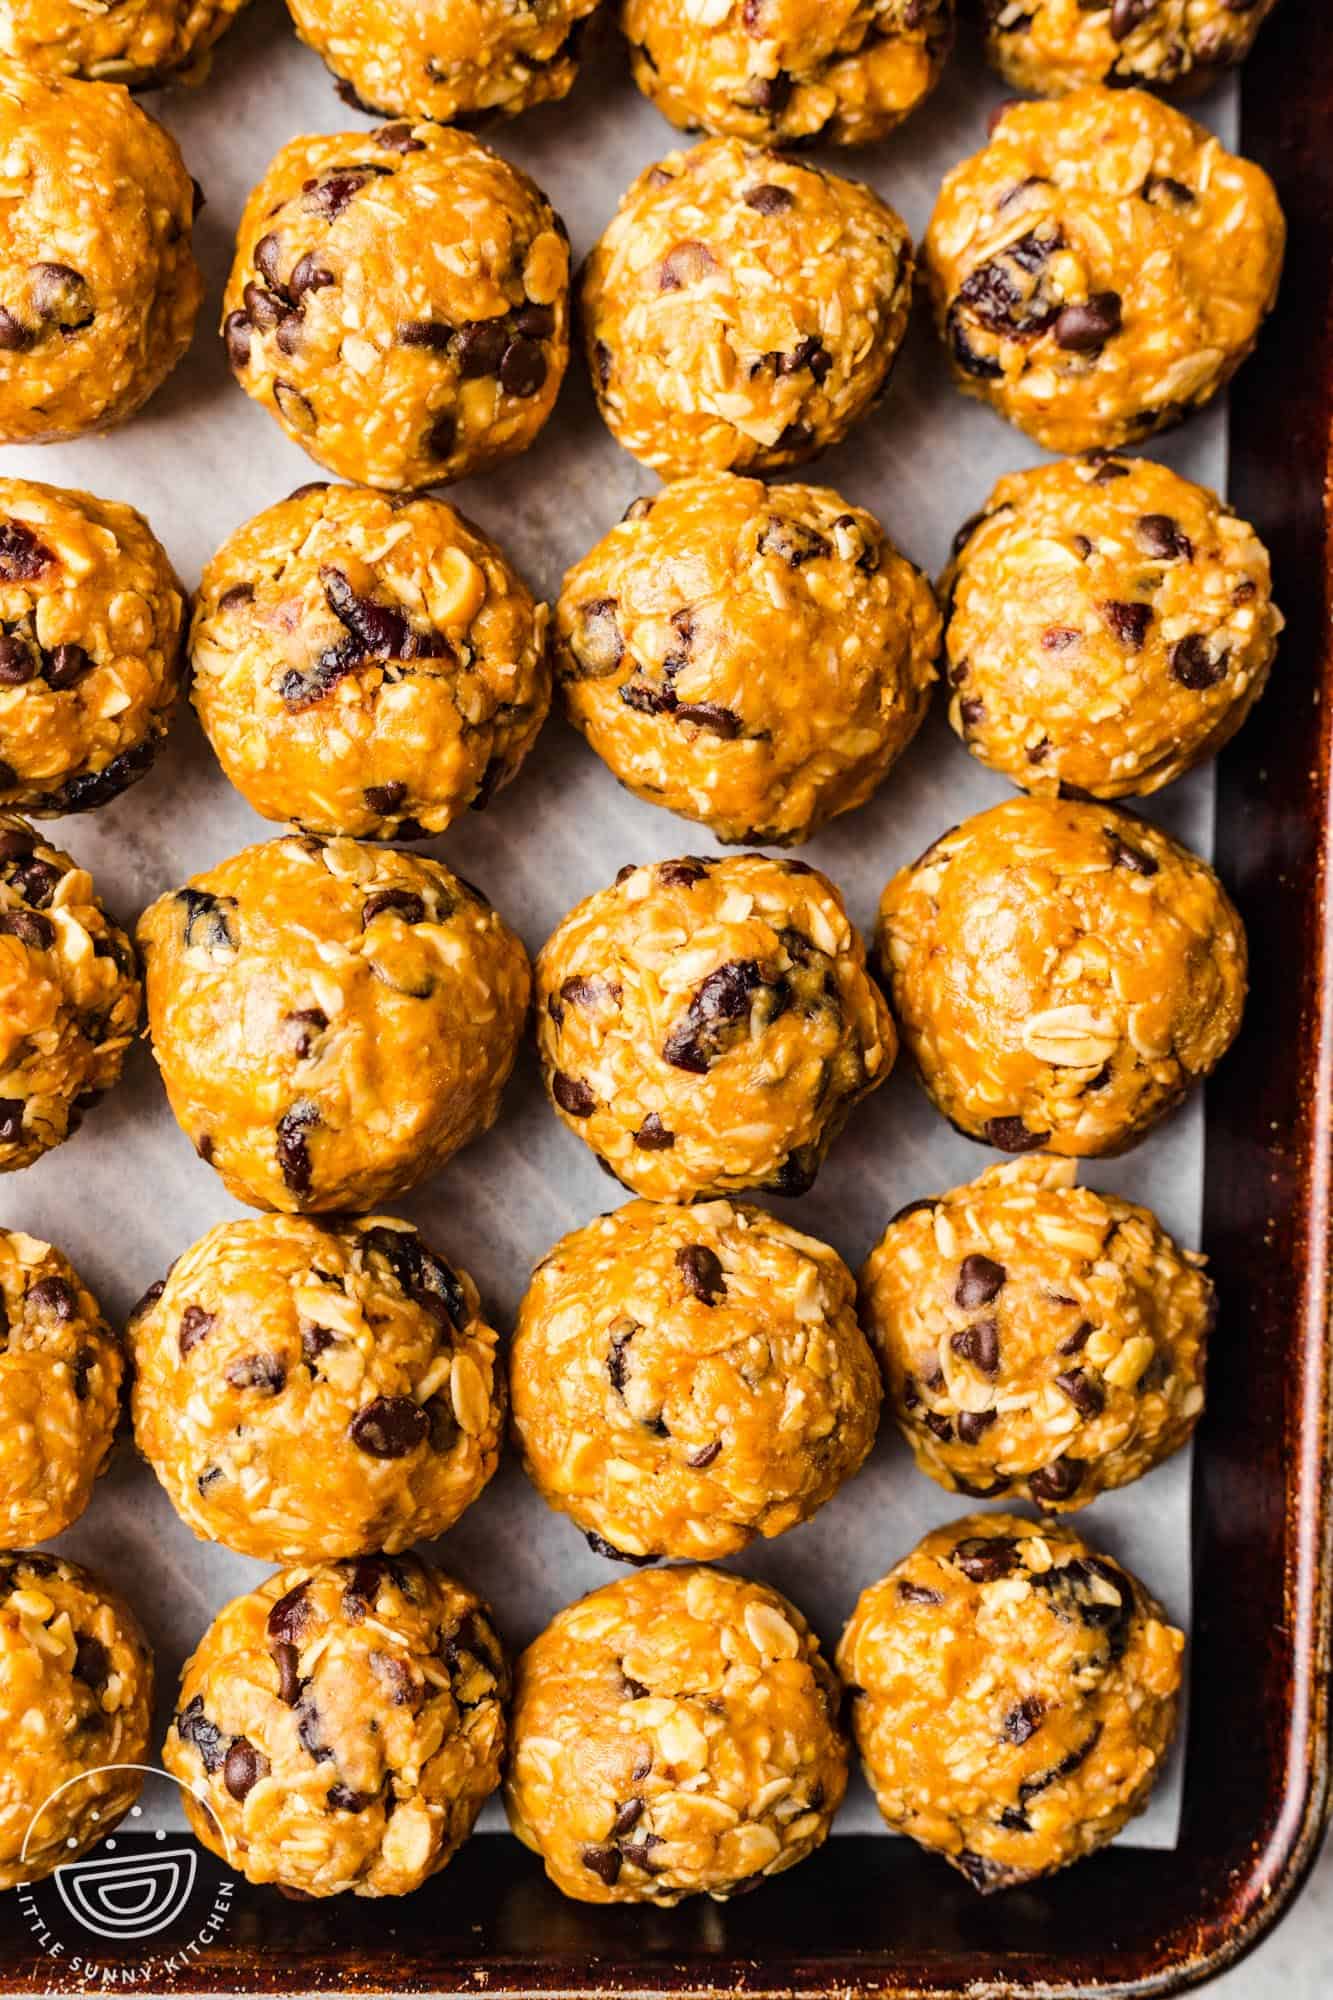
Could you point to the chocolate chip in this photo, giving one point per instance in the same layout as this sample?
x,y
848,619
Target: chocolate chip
x,y
290,1615
1086,1394
257,1371
1194,666
1162,538
424,1277
767,198
61,296
193,1726
398,139
918,1593
441,435
1082,329
701,1273
1011,1135
792,541
315,1340
22,556
535,322
384,800
341,1798
242,1768
627,1817
55,1296
1015,1820
685,264
287,1662
972,1424
653,1136
195,1324
389,1427
1059,638
1024,1719
65,667
37,933
572,1095
1164,192
704,1456
404,904
92,1662
984,1558
979,1344
303,1027
14,336
296,408
17,662
936,1421
236,333
1066,1767
1129,622
601,1547
979,1281
380,628
604,1863
208,919
293,1145
1059,1481
1077,1340
329,194
708,716
1009,293
722,999
35,880
809,352
522,368
1123,855
16,844
237,595
308,275
1126,15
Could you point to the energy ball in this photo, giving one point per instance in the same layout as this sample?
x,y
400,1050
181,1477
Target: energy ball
x,y
365,667
340,1728
307,1390
706,1026
332,1021
674,1734
741,310
1102,267
685,1379
76,1704
400,302
452,60
92,620
69,995
1050,46
1062,973
144,45
785,73
60,1375
1014,1696
755,657
1038,1339
99,290
1109,626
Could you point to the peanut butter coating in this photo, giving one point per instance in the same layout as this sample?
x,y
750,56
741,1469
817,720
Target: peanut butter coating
x,y
332,1022
1046,47
685,1379
1062,973
1014,1695
674,1734
140,43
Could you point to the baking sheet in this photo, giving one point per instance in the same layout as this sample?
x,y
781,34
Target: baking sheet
x,y
128,1194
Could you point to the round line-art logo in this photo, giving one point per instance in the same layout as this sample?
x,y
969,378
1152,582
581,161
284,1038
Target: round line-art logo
x,y
160,1886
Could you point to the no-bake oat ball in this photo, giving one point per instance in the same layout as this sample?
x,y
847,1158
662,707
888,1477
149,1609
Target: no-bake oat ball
x,y
60,1375
366,667
458,61
69,995
141,43
1038,1339
1050,46
99,289
400,302
1063,974
307,1390
1102,267
1109,625
674,1734
91,626
1014,1696
685,1379
742,311
76,1704
332,1021
788,72
344,1724
708,1025
755,657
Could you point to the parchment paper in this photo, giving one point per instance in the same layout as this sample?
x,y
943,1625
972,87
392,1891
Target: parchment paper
x,y
127,1194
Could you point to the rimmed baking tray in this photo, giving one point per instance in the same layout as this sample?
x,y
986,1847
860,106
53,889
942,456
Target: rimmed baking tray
x,y
872,1915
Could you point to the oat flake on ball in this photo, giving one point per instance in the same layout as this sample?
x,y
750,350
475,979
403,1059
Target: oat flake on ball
x,y
707,1025
1038,1339
69,995
1014,1696
1108,626
339,1729
755,657
788,72
76,1708
332,1021
1102,267
365,666
306,1389
674,1734
1063,974
60,1375
741,310
143,44
99,289
687,1378
400,301
1050,46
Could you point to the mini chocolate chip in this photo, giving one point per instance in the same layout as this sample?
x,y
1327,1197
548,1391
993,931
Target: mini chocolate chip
x,y
1086,1394
304,1026
604,1863
972,1424
724,997
936,1421
243,1767
193,1726
389,1427
708,716
328,195
92,1662
398,139
1123,855
653,1136
1077,1340
208,919
195,1324
384,800
237,595
22,556
1107,468
61,296
1024,1719
341,1798
522,368
308,275
535,322
979,1280
704,1456
767,198
1163,191
290,1615
65,667
1194,666
1015,1820
404,904
1129,622
14,336
37,933
441,435
257,1371
296,408
55,1296
315,1340
1082,329
11,1119
1059,638
983,1558
979,1344
1162,538
627,1817
17,662
1126,15
293,1145
918,1593
601,1547
701,1273
1011,1135
685,264
1058,1481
